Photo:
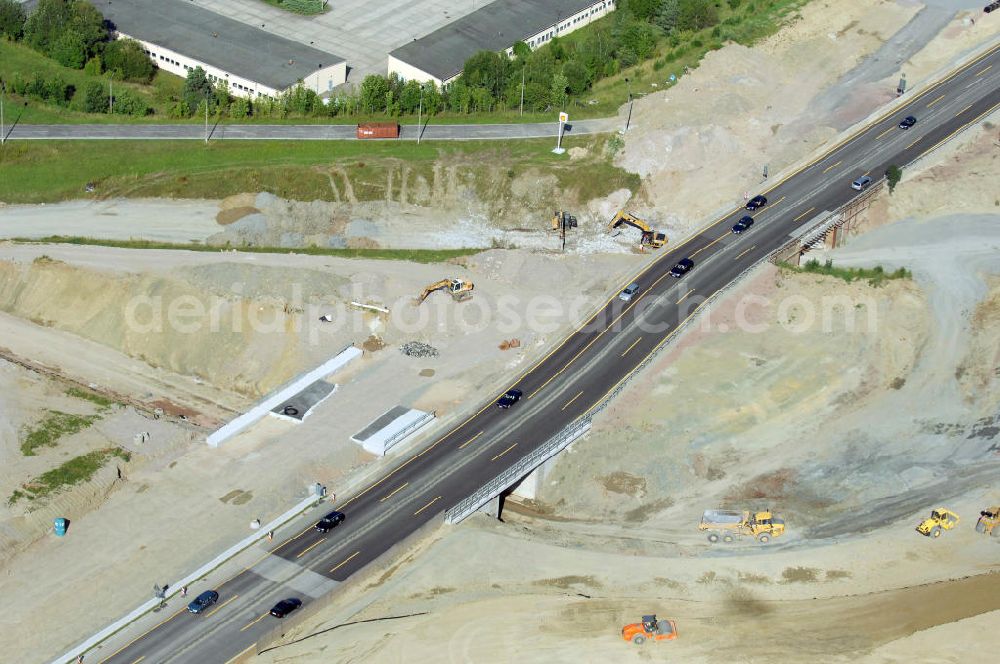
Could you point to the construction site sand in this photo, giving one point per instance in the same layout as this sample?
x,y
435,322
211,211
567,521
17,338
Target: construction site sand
x,y
773,104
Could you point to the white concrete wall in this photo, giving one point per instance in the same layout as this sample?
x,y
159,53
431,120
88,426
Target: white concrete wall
x,y
408,72
326,79
233,427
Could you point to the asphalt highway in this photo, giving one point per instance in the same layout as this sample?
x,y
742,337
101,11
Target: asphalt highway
x,y
314,132
560,388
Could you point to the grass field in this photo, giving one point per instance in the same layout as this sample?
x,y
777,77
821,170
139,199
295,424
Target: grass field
x,y
54,426
76,470
875,276
41,172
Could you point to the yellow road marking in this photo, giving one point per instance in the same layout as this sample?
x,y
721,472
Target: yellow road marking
x,y
983,71
221,605
884,133
912,144
935,101
141,657
803,214
572,400
781,199
251,624
744,252
708,245
346,560
684,297
462,446
626,351
241,653
385,498
309,548
963,110
831,167
504,452
426,506
970,122
165,620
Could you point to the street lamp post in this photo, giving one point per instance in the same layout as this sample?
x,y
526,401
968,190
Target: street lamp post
x,y
111,95
628,120
3,129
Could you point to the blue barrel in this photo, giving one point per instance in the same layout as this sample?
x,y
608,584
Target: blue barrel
x,y
60,526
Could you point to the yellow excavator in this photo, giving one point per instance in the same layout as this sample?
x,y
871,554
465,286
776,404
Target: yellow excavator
x,y
460,289
654,239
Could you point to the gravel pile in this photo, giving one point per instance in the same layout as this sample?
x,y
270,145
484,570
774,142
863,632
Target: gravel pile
x,y
418,349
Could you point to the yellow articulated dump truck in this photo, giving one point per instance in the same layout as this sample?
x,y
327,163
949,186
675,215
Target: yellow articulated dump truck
x,y
728,525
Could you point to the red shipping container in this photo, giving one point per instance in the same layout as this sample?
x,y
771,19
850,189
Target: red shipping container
x,y
378,130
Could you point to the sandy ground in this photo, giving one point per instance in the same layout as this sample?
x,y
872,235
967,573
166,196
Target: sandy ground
x,y
835,66
165,221
611,536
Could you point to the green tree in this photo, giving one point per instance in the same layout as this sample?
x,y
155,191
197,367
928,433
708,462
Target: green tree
x,y
373,91
696,14
12,19
409,97
666,15
893,174
577,77
643,9
521,50
197,88
558,94
69,50
488,70
94,66
240,108
129,60
95,98
128,102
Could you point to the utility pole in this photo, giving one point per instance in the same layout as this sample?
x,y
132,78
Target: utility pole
x,y
206,120
111,95
629,118
522,90
420,114
3,130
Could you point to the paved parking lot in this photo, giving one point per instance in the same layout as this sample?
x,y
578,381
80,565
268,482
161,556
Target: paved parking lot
x,y
360,31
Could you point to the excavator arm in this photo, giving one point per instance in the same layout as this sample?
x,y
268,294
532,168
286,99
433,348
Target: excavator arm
x,y
649,236
437,285
460,289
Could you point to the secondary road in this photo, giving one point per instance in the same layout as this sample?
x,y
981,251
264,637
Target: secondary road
x,y
563,386
315,132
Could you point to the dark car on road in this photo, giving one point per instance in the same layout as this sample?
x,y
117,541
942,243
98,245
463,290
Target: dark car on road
x,y
756,203
907,122
745,222
285,606
509,398
203,601
683,267
329,522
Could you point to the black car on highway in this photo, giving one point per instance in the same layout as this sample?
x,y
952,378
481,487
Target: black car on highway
x,y
203,601
509,398
756,203
683,267
285,606
329,522
907,122
745,222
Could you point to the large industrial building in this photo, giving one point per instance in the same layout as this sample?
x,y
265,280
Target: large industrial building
x,y
440,56
180,36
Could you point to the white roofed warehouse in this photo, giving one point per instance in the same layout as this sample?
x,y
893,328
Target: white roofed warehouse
x,y
441,55
180,36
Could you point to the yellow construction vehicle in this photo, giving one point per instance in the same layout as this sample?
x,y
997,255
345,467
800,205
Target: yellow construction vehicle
x,y
730,525
460,289
654,239
989,519
941,519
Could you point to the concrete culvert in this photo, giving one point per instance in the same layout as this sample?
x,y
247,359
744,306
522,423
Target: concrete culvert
x,y
291,410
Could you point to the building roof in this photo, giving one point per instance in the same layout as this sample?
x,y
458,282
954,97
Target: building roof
x,y
495,27
216,40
